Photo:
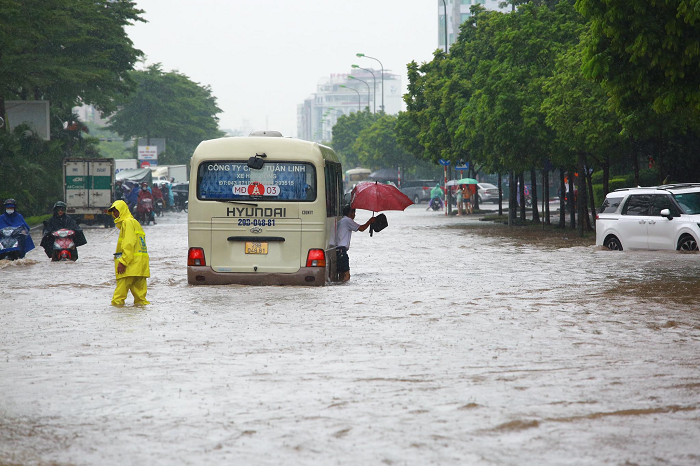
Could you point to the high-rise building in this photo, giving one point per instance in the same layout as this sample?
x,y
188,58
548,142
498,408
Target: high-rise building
x,y
345,93
458,11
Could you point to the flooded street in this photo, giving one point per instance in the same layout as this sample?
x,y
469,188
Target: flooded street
x,y
455,342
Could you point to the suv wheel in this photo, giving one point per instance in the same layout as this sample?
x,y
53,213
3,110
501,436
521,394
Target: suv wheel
x,y
613,243
416,199
687,243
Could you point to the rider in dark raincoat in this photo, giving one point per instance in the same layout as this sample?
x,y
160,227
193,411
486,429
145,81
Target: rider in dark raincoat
x,y
59,221
12,218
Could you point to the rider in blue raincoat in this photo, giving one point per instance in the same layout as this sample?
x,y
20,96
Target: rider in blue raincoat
x,y
12,218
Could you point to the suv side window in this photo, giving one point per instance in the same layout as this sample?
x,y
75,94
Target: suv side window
x,y
660,202
610,205
637,204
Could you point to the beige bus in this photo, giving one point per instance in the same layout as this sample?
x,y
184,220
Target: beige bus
x,y
263,210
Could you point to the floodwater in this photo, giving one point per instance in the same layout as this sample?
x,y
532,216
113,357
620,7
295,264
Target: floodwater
x,y
455,343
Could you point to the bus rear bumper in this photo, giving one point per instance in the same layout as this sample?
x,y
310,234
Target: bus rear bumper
x,y
306,276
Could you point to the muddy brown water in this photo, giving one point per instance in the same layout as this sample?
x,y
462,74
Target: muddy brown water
x,y
455,342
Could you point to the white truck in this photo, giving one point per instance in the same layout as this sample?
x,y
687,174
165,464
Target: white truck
x,y
87,189
124,164
165,172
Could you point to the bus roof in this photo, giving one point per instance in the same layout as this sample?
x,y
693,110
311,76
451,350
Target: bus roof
x,y
276,148
354,171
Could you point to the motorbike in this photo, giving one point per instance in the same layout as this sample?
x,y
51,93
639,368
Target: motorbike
x,y
12,242
159,207
180,201
435,203
64,246
144,212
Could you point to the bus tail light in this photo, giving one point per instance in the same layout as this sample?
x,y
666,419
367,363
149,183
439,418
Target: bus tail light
x,y
316,258
195,256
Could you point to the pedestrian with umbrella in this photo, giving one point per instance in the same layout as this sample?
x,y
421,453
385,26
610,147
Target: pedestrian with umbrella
x,y
368,196
346,226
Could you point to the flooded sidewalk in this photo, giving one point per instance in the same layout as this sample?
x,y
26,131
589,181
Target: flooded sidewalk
x,y
455,342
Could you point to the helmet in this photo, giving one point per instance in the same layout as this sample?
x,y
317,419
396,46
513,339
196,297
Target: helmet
x,y
10,202
60,204
144,184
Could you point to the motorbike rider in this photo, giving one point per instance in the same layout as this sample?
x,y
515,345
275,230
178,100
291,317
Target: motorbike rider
x,y
436,192
120,190
12,218
133,197
171,195
145,194
59,221
157,194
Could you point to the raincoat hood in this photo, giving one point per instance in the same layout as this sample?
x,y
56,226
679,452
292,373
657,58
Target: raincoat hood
x,y
124,212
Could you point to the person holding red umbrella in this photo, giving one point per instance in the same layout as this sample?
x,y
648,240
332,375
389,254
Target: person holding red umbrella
x,y
346,226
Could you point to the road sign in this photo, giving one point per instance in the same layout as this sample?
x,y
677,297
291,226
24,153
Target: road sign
x,y
462,167
148,152
444,162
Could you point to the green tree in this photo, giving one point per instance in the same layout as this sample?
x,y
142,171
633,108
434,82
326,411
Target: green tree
x,y
345,133
66,51
645,51
377,146
171,106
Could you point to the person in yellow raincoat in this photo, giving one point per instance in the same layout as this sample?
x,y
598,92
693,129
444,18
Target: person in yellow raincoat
x,y
131,263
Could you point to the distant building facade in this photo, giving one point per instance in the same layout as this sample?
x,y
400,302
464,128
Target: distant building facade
x,y
89,114
319,112
458,11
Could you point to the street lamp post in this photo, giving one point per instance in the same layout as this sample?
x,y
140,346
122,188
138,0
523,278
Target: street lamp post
x,y
380,64
445,6
358,95
374,84
366,84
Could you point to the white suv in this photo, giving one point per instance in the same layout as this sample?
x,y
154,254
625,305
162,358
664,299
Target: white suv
x,y
660,217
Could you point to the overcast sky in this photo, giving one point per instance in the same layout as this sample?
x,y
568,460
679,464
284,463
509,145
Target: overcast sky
x,y
262,58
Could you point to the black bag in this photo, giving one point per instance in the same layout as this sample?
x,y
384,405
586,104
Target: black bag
x,y
379,224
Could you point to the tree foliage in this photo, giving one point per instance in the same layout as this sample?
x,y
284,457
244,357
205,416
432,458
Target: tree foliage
x,y
345,133
66,51
171,106
646,52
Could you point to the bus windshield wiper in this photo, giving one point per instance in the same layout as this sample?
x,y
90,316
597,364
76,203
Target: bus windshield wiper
x,y
239,202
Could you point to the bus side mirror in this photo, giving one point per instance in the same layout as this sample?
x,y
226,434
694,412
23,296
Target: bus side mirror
x,y
666,213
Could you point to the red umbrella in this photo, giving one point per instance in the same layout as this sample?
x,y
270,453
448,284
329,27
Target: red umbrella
x,y
378,197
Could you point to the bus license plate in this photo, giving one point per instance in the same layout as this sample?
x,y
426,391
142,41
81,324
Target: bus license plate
x,y
255,248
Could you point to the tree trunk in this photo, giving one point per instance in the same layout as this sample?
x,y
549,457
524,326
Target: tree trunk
x,y
635,160
589,179
521,187
511,197
533,194
581,202
572,200
448,192
500,196
562,200
606,175
5,124
545,183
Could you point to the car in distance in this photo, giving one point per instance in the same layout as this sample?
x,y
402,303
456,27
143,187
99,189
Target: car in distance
x,y
487,192
418,190
658,218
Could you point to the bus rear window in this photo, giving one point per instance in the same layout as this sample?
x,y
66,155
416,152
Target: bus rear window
x,y
276,181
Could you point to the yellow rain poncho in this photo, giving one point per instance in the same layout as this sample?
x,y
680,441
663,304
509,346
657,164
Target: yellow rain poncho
x,y
133,253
